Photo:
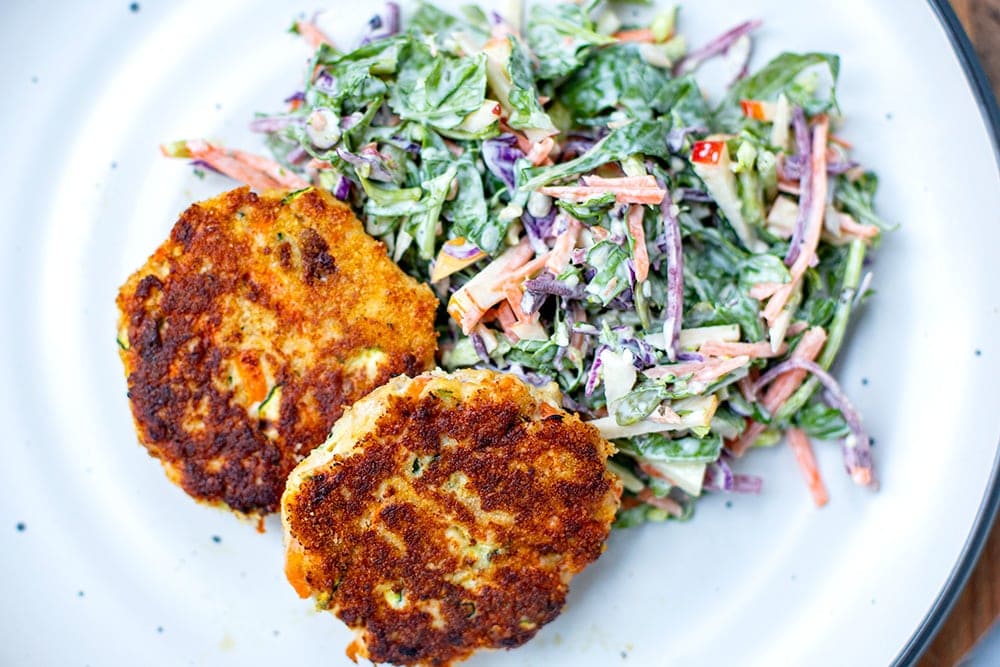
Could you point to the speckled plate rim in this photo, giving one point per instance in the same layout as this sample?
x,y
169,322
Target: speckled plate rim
x,y
990,506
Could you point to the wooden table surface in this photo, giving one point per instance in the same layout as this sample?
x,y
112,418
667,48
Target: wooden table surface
x,y
979,605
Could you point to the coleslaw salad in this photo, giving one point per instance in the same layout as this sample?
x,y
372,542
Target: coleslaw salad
x,y
686,271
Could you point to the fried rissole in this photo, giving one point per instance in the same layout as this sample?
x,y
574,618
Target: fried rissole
x,y
448,513
251,328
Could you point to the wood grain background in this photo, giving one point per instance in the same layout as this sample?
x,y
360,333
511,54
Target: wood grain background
x,y
979,605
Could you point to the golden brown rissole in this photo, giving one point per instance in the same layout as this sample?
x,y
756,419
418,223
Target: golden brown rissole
x,y
448,513
251,328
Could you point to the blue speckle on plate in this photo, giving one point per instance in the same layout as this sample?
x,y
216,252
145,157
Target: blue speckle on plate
x,y
20,526
159,629
79,594
729,503
864,382
216,539
34,79
979,352
134,7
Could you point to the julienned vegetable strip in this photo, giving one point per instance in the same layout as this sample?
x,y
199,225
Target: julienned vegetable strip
x,y
589,219
838,328
802,448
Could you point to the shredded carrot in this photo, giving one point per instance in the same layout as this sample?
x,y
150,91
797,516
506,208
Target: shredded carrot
x,y
638,35
258,172
628,502
507,319
668,504
799,442
534,266
620,181
249,370
795,328
677,370
311,33
523,143
635,228
546,410
486,289
539,152
789,187
295,570
814,223
840,141
513,293
562,249
762,291
849,226
783,387
716,368
295,104
664,414
623,195
716,348
701,371
599,233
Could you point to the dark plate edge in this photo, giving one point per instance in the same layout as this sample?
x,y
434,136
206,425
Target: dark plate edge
x,y
988,509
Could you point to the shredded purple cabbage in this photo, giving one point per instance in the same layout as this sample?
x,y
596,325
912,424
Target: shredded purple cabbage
x,y
383,25
297,155
378,171
802,158
349,121
201,164
480,347
465,251
720,477
690,356
594,374
547,284
342,190
695,195
717,46
532,302
297,96
411,147
499,155
324,82
643,354
539,229
839,167
676,136
747,483
671,240
274,123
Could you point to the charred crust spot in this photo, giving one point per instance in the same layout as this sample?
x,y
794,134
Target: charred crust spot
x,y
285,255
220,288
528,502
317,263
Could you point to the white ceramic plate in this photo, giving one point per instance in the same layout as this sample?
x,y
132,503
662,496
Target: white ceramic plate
x,y
103,562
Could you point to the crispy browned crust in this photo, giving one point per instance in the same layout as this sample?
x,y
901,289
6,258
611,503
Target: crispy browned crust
x,y
252,289
365,527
